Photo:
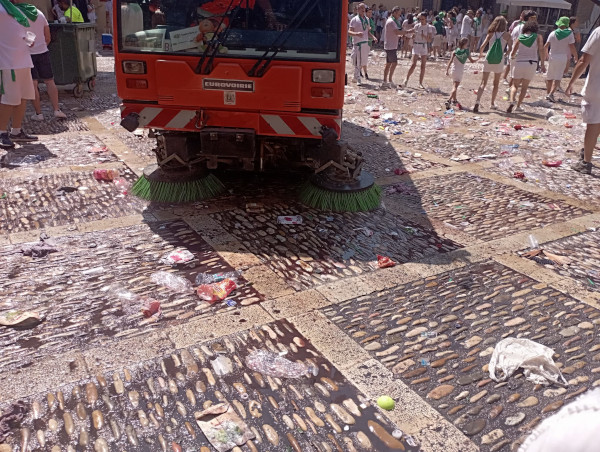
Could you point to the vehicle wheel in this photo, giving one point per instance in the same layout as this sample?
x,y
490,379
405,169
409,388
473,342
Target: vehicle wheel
x,y
78,90
91,84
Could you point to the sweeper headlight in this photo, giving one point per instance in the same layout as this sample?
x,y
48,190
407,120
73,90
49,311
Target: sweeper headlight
x,y
323,76
134,67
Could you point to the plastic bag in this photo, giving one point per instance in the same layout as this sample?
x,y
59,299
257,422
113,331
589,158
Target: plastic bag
x,y
217,291
222,365
535,359
173,282
209,278
273,365
225,431
176,257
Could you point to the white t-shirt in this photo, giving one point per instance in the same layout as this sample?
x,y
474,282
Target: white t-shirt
x,y
14,52
390,31
382,17
560,47
422,33
516,32
467,26
37,28
591,89
357,25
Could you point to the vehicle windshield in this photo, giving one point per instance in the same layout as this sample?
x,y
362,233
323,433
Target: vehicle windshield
x,y
308,29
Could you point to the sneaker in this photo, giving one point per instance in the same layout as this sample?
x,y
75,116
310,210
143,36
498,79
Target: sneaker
x,y
39,117
476,108
448,105
550,98
385,85
59,115
5,141
392,85
359,81
510,108
520,109
582,167
421,86
366,75
493,107
23,137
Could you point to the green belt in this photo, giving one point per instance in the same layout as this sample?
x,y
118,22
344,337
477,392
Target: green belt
x,y
14,78
361,42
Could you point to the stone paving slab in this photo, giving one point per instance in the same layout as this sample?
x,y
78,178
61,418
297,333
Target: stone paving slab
x,y
329,246
481,207
72,291
382,156
584,256
437,335
58,151
153,406
36,202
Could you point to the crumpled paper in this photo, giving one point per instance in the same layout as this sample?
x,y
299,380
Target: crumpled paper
x,y
535,359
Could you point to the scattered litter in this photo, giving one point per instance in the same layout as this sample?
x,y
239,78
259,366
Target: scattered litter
x,y
385,262
13,159
225,431
365,231
64,190
105,174
461,158
222,365
273,365
231,303
216,291
552,163
11,418
295,219
519,175
535,359
20,319
210,278
397,434
151,308
255,207
176,257
123,185
544,257
386,402
171,281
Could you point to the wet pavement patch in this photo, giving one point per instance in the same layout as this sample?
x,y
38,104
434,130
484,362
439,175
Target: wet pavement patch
x,y
382,157
483,208
584,258
64,150
52,126
329,246
152,406
71,288
437,335
40,201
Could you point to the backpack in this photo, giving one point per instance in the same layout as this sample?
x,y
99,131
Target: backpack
x,y
495,54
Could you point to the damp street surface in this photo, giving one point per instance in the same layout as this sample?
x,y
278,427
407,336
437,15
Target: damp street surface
x,y
466,198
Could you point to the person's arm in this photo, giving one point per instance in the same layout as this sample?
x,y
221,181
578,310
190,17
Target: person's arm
x,y
540,42
47,36
485,42
450,63
573,51
509,43
513,54
580,68
546,50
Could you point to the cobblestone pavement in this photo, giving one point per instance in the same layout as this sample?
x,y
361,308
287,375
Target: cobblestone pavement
x,y
96,374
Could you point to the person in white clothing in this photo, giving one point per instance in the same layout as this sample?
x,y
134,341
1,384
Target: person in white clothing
x,y
590,105
466,28
422,36
42,68
527,51
561,43
91,12
457,61
360,31
498,39
16,86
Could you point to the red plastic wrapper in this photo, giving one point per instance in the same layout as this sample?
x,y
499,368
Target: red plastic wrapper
x,y
552,164
385,262
216,291
518,126
519,175
152,307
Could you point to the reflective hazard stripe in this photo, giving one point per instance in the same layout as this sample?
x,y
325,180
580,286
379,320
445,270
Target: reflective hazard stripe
x,y
312,124
181,119
148,114
278,125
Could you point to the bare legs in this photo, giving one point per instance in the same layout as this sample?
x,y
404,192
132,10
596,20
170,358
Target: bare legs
x,y
592,132
415,58
484,80
388,72
455,86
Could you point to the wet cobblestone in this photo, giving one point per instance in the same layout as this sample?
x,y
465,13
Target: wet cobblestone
x,y
327,246
72,291
438,334
152,406
38,201
483,208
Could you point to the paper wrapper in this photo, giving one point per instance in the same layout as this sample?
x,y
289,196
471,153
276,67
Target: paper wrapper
x,y
225,431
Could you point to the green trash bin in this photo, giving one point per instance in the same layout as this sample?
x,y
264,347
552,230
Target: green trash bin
x,y
73,55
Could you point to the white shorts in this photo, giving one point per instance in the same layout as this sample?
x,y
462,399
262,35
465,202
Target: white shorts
x,y
420,49
590,112
21,88
437,41
523,70
457,73
494,68
360,55
556,67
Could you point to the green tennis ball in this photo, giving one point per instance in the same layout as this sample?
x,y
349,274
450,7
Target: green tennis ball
x,y
386,402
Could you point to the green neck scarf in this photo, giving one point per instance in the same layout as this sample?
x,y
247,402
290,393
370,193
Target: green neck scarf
x,y
562,34
398,24
528,41
22,12
462,55
364,21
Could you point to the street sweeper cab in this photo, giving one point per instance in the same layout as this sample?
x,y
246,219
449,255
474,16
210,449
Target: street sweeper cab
x,y
253,85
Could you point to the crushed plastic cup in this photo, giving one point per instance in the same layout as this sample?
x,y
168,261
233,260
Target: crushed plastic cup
x,y
177,257
172,281
292,219
210,278
271,364
533,242
216,291
123,185
106,174
222,365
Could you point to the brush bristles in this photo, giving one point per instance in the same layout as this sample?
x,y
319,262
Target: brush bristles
x,y
356,201
177,192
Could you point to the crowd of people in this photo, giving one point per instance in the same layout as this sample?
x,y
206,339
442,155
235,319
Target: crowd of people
x,y
515,53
